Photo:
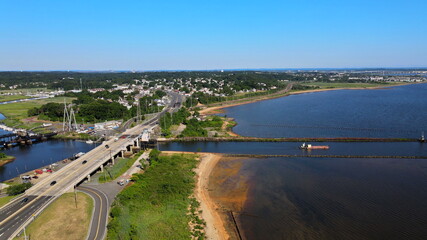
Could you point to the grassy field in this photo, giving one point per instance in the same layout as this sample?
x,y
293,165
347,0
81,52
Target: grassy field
x,y
15,112
5,200
62,220
5,98
120,167
24,90
157,205
348,85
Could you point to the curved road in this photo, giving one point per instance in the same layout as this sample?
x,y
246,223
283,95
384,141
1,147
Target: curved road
x,y
98,226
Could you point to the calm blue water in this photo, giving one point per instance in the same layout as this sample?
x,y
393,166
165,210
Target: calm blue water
x,y
291,148
300,198
307,198
391,112
39,155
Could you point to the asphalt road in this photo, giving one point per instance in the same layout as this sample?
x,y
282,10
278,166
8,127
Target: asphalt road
x,y
98,227
25,213
14,215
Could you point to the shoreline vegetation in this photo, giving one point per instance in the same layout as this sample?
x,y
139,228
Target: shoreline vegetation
x,y
215,222
5,159
159,203
220,197
173,198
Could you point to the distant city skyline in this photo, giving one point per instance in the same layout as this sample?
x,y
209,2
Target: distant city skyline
x,y
198,35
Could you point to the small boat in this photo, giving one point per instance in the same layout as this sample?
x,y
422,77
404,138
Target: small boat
x,y
89,142
311,147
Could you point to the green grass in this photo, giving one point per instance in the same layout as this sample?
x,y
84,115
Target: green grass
x,y
120,167
62,220
5,98
15,112
157,205
323,85
24,90
5,200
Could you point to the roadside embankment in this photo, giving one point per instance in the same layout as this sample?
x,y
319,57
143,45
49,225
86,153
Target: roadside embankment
x,y
63,219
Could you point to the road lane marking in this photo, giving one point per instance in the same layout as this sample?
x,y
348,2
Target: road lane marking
x,y
100,210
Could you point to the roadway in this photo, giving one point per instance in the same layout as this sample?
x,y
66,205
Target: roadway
x,y
44,192
98,226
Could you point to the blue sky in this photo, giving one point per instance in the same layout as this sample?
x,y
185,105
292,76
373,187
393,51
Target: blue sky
x,y
216,34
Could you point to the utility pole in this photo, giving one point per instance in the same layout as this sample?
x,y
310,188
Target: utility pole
x,y
25,234
75,196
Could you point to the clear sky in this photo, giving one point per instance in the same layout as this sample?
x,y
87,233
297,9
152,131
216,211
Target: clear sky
x,y
214,34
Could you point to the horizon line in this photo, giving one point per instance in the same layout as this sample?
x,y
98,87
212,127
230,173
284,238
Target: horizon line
x,y
224,69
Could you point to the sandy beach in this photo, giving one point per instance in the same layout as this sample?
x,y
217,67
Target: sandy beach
x,y
215,227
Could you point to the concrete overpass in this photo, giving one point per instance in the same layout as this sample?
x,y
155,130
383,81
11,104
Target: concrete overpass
x,y
19,213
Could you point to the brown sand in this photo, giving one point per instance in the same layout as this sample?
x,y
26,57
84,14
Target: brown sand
x,y
228,131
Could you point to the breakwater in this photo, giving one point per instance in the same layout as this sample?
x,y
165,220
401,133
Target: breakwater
x,y
319,156
256,139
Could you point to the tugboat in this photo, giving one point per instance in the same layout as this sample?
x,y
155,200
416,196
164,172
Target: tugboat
x,y
422,139
311,147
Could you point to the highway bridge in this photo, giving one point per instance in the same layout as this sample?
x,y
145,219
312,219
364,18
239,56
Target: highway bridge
x,y
20,212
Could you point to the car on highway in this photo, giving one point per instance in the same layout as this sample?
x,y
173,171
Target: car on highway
x,y
52,183
85,161
24,200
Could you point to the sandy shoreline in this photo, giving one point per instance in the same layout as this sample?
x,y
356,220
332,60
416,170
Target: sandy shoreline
x,y
215,225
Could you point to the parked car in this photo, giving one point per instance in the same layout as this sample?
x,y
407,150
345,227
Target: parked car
x,y
121,182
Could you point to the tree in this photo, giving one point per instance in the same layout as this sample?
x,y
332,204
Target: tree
x,y
18,189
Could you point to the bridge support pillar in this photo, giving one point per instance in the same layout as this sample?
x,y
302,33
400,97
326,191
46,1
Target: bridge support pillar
x,y
137,142
112,160
101,168
122,152
88,178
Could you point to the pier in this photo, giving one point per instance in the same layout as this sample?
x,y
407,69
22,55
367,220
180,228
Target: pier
x,y
22,138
